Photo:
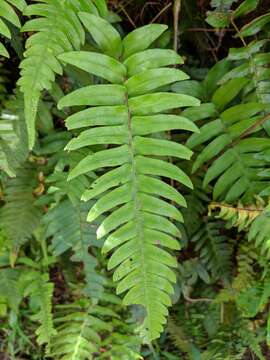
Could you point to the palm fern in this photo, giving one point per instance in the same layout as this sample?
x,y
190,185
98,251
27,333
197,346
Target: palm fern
x,y
124,112
57,30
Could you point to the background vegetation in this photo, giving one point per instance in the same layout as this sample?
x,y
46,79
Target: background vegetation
x,y
58,299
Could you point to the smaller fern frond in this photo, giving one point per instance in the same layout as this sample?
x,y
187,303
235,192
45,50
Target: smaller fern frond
x,y
19,215
239,216
78,330
259,232
57,30
66,224
215,252
13,138
40,290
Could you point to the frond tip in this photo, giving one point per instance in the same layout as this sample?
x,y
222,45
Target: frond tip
x,y
125,113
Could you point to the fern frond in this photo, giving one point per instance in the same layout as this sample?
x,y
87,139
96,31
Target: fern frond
x,y
57,30
13,138
214,249
9,288
78,330
240,216
19,216
179,338
39,289
247,257
252,61
122,113
8,14
89,331
234,169
259,232
42,293
66,224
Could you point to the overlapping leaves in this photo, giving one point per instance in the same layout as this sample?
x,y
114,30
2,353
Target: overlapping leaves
x,y
124,115
8,16
234,168
57,30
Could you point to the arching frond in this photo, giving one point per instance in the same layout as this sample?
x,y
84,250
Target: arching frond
x,y
234,168
57,30
124,114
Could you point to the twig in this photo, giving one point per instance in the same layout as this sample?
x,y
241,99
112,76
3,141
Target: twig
x,y
208,30
128,17
161,12
176,13
191,300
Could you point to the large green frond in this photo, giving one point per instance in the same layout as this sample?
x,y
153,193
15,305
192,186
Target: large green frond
x,y
140,226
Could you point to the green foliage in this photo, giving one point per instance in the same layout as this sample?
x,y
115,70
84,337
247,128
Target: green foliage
x,y
19,216
124,111
83,329
68,228
57,30
239,216
39,288
13,137
215,252
110,198
234,168
259,232
8,16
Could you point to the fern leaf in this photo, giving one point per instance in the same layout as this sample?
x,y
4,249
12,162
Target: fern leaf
x,y
44,293
234,168
142,267
240,216
67,225
251,60
19,216
13,137
57,30
8,14
36,285
259,232
214,250
78,332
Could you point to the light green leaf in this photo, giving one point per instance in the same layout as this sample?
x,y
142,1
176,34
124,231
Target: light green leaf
x,y
105,35
151,58
94,95
141,38
149,80
97,64
158,102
